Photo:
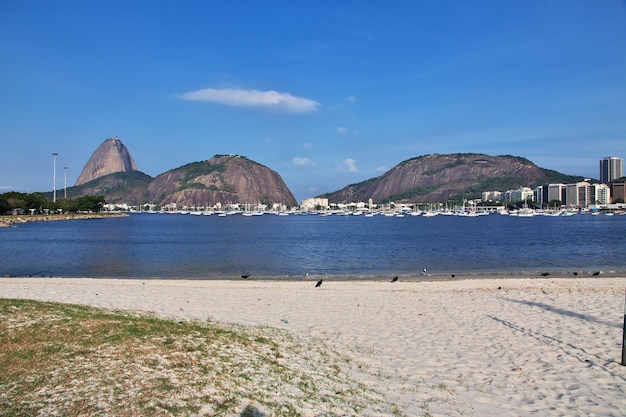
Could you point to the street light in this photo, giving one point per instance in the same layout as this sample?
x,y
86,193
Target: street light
x,y
54,178
65,183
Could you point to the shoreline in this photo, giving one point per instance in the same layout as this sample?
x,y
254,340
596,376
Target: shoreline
x,y
11,221
484,346
374,277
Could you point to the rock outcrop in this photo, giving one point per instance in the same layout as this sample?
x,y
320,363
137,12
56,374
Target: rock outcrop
x,y
110,157
435,178
221,179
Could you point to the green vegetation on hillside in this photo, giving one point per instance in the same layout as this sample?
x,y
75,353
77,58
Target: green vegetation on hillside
x,y
116,187
554,177
407,195
196,169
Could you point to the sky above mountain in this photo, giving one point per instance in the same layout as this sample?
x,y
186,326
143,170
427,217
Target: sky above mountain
x,y
326,93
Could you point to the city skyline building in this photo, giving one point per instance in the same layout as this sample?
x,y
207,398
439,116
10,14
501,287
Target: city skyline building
x,y
611,168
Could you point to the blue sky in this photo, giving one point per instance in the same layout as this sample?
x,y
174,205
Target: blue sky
x,y
326,93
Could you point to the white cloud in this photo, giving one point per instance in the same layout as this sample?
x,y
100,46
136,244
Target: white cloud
x,y
342,130
283,102
348,165
300,162
270,141
381,169
351,99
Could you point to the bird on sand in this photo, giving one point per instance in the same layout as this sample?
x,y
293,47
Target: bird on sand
x,y
545,274
575,273
394,279
595,274
319,283
245,276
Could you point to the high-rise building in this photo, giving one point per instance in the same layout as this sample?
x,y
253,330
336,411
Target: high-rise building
x,y
578,194
611,168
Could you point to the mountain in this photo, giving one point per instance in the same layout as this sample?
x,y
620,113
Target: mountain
x,y
110,157
111,172
435,178
130,187
221,179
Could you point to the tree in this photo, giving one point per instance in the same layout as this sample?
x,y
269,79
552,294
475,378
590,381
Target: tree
x,y
4,205
89,203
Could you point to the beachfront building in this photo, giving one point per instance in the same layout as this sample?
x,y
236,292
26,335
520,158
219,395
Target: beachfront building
x,y
491,196
540,195
556,192
546,193
578,194
611,168
601,194
618,192
309,204
521,194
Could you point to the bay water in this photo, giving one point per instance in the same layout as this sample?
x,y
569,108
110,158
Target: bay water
x,y
172,246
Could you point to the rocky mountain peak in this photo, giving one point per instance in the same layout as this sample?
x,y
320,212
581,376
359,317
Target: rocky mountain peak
x,y
439,177
110,157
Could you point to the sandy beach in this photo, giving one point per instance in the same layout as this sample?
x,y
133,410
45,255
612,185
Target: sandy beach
x,y
477,347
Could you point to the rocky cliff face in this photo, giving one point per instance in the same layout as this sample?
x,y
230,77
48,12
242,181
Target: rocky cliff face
x,y
112,173
434,178
221,179
110,157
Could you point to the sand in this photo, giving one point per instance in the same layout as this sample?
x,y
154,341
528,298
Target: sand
x,y
477,347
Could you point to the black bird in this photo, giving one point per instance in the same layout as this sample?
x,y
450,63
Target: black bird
x,y
319,283
595,274
575,273
545,274
394,279
245,276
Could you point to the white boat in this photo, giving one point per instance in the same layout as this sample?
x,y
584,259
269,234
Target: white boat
x,y
525,212
468,214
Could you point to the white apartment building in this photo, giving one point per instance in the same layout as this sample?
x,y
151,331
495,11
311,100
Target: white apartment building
x,y
312,203
492,196
601,194
521,194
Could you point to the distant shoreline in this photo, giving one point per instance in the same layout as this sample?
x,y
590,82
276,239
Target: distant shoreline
x,y
11,221
357,278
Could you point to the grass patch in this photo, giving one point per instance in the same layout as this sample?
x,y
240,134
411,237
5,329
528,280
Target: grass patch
x,y
70,360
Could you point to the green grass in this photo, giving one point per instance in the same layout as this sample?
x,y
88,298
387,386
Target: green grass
x,y
70,360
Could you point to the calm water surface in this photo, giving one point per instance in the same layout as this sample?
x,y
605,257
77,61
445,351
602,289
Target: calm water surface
x,y
205,247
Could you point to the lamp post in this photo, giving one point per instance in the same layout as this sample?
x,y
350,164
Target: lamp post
x,y
65,183
54,177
